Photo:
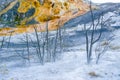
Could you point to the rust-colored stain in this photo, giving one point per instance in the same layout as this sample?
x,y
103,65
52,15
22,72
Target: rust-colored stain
x,y
54,13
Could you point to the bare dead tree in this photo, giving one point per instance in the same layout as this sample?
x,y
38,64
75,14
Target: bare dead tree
x,y
58,43
90,33
102,48
55,46
91,39
60,39
28,48
46,46
22,55
38,48
8,45
25,54
2,42
47,42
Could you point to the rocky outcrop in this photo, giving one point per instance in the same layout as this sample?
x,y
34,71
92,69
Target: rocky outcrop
x,y
53,12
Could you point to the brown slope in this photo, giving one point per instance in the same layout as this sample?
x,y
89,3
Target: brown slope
x,y
82,8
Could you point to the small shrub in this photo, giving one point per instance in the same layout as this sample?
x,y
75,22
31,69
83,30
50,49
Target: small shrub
x,y
115,47
93,74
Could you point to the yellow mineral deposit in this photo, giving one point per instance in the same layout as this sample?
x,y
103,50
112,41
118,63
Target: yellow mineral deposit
x,y
51,11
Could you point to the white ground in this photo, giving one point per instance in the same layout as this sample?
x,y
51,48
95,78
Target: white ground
x,y
71,67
